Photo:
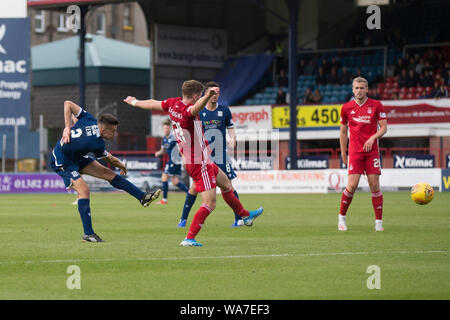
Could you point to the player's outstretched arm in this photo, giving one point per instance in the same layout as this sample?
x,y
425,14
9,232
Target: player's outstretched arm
x,y
116,163
203,101
150,104
70,109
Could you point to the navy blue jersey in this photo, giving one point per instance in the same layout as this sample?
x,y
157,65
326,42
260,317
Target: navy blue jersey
x,y
215,124
169,144
85,138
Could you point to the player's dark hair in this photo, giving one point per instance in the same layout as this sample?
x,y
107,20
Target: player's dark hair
x,y
108,119
191,87
211,84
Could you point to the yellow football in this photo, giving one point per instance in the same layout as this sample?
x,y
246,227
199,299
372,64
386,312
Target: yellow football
x,y
422,193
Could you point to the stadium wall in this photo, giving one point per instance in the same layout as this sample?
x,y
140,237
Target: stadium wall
x,y
254,181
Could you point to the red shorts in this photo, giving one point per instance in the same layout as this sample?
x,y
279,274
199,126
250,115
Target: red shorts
x,y
364,163
204,176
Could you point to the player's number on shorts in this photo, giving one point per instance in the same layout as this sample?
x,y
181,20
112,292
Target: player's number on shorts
x,y
228,167
178,131
376,163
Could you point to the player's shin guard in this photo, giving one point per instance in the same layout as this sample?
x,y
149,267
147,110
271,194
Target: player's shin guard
x,y
188,203
234,203
198,221
85,214
377,202
123,184
346,199
165,187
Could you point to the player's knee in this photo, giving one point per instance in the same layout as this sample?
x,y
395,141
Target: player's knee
x,y
211,204
83,192
224,187
351,187
375,187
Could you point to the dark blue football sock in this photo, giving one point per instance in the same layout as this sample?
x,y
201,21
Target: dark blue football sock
x,y
165,186
236,216
85,214
182,187
188,203
123,184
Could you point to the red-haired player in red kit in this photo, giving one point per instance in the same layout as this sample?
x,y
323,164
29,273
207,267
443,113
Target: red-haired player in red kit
x,y
188,131
367,122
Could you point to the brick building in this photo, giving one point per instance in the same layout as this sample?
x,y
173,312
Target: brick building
x,y
114,69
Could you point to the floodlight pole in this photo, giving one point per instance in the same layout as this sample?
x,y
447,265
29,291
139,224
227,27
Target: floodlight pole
x,y
293,6
81,52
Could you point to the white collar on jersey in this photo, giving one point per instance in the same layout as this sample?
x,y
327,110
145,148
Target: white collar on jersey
x,y
360,105
217,105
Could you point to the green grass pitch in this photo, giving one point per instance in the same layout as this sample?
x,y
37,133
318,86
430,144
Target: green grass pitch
x,y
293,251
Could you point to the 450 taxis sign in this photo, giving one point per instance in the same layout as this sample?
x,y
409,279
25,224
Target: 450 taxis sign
x,y
310,116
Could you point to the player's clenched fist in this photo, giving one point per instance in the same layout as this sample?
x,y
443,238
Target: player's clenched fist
x,y
129,100
213,91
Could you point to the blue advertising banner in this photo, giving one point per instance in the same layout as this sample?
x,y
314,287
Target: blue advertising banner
x,y
14,72
141,163
407,161
15,68
309,162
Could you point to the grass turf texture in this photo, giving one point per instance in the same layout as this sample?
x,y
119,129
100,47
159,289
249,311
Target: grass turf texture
x,y
293,251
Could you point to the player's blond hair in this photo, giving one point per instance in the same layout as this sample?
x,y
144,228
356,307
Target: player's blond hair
x,y
191,88
361,79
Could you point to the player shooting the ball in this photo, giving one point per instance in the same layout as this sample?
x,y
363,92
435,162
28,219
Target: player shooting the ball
x,y
70,158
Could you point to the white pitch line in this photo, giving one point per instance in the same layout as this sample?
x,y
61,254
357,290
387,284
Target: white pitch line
x,y
225,257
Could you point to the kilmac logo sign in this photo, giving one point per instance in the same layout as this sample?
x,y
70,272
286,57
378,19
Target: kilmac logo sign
x,y
2,34
9,66
413,161
14,73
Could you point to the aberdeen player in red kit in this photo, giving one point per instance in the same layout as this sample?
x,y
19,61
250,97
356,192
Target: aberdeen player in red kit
x,y
367,122
195,152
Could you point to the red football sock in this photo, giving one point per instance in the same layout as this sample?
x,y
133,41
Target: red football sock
x,y
198,221
235,204
377,202
346,199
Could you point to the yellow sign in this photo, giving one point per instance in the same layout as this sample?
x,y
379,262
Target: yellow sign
x,y
309,116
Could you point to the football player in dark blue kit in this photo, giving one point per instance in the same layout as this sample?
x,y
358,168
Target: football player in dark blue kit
x,y
70,158
216,121
173,166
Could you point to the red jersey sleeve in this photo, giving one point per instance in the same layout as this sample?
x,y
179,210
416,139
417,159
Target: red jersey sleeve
x,y
344,116
381,114
187,112
167,103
